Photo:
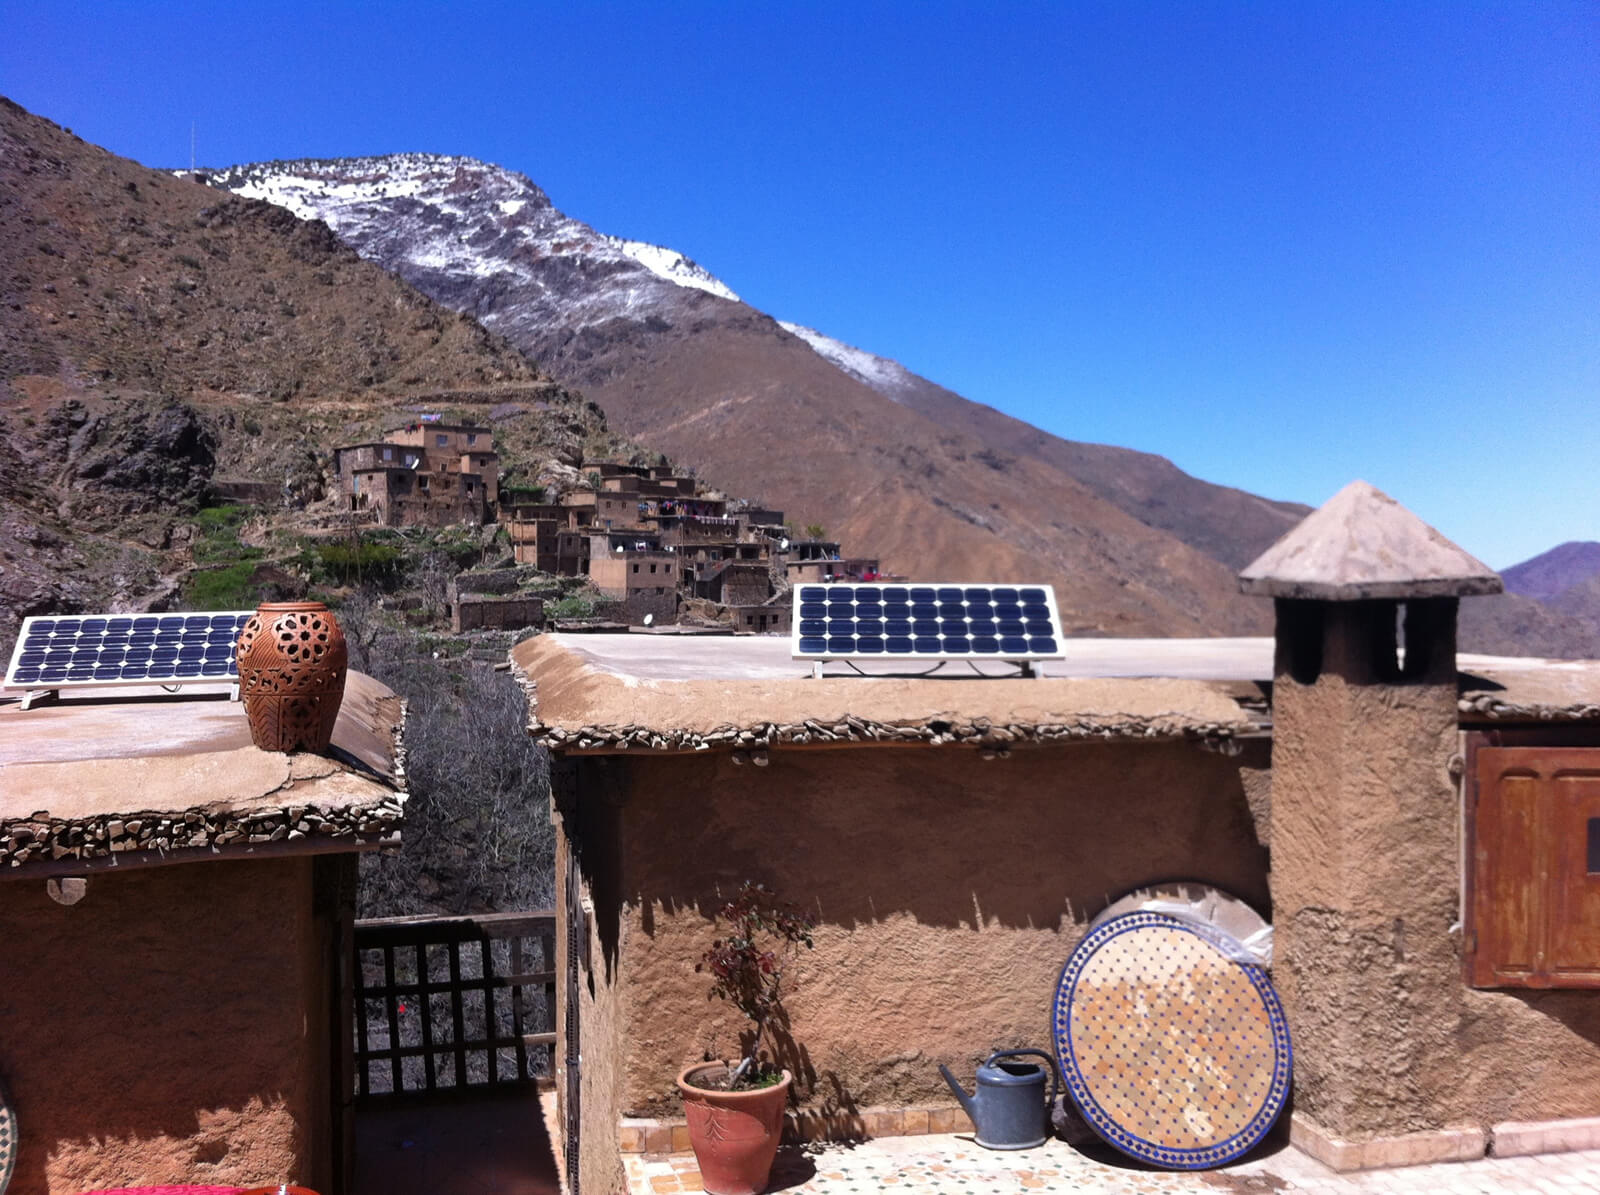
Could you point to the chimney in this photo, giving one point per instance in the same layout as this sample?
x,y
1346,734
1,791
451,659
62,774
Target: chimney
x,y
1365,810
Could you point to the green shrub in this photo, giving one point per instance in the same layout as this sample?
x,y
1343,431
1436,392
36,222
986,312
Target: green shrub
x,y
211,519
353,564
574,606
228,588
218,541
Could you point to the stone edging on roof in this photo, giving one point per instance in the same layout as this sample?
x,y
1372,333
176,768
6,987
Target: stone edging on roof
x,y
44,839
1488,706
980,733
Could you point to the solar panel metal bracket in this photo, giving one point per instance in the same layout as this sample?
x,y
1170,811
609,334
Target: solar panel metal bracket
x,y
35,697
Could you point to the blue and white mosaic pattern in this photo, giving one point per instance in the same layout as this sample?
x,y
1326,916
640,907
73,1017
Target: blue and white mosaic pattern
x,y
1176,1055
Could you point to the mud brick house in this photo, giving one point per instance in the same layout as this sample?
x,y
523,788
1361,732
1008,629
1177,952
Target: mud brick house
x,y
645,580
534,529
1418,828
771,617
813,561
176,911
720,556
428,473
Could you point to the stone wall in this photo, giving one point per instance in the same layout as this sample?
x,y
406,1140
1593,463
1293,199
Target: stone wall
x,y
474,611
170,1027
663,607
604,1062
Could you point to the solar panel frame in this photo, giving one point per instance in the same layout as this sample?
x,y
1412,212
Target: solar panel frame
x,y
61,651
926,620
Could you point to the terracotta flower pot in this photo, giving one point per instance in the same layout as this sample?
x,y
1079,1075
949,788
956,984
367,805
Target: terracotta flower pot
x,y
292,661
735,1134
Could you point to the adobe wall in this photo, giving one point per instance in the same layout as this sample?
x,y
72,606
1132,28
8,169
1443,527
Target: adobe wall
x,y
600,996
168,1028
1366,877
950,890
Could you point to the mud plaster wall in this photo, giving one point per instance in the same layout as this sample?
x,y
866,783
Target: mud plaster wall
x,y
1366,887
168,1028
949,890
594,825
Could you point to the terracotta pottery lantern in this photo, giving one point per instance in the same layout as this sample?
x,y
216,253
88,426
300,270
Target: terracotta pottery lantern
x,y
292,661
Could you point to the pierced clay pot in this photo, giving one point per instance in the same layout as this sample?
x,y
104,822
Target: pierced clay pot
x,y
735,1134
292,661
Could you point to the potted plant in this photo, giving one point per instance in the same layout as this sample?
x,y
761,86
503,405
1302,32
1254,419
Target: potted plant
x,y
735,1113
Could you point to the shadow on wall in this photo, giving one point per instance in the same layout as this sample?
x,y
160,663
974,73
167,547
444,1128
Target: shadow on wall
x,y
1039,840
936,876
154,1032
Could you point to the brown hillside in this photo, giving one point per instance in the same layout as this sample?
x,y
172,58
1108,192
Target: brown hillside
x,y
1229,524
115,274
156,333
755,409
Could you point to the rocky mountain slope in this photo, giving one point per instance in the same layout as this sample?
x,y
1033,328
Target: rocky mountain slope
x,y
896,466
1552,601
156,335
1550,574
1229,524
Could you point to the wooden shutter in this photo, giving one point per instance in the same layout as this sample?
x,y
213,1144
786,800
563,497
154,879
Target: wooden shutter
x,y
1534,888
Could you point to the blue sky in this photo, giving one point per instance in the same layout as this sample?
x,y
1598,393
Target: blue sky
x,y
1283,244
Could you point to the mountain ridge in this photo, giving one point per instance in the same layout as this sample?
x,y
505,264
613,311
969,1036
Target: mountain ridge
x,y
157,335
602,321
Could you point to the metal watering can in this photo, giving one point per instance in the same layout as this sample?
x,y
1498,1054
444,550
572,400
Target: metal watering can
x,y
1009,1110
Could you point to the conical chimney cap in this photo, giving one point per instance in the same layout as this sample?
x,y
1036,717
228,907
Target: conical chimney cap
x,y
1363,544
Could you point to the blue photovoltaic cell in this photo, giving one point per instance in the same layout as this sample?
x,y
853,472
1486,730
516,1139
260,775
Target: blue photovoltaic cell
x,y
104,649
963,621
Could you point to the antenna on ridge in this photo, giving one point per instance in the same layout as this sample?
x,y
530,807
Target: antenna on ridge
x,y
191,146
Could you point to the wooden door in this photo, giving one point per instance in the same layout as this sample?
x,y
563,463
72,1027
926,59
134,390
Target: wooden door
x,y
1534,868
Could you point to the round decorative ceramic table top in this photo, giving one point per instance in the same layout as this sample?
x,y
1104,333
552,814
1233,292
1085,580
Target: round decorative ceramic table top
x,y
1175,1054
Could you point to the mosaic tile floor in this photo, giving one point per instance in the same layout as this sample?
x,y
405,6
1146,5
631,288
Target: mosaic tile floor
x,y
954,1165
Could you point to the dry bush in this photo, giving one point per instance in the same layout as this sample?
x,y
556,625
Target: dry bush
x,y
477,833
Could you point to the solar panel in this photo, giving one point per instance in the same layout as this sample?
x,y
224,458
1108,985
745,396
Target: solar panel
x,y
56,651
950,622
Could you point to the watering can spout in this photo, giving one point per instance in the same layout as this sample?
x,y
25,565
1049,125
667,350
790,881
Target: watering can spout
x,y
966,1100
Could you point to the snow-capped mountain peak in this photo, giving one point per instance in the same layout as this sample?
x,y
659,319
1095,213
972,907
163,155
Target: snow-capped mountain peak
x,y
478,237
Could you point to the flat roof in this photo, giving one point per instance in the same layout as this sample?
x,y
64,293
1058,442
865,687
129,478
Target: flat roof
x,y
609,692
116,777
686,693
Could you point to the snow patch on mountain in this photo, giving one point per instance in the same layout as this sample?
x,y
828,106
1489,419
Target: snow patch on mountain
x,y
888,378
674,267
479,238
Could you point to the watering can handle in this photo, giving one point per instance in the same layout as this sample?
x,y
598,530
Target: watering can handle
x,y
1055,1071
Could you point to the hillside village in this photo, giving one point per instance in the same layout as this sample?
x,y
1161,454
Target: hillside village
x,y
653,542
